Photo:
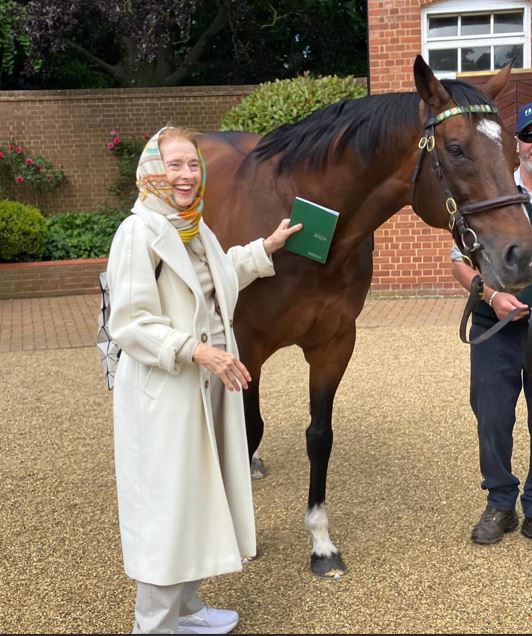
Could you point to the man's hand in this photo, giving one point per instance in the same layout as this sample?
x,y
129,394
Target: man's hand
x,y
503,303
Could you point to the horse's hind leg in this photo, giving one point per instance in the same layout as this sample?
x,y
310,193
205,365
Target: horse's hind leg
x,y
253,356
254,426
327,365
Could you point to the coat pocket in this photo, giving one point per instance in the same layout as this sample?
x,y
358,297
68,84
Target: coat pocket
x,y
154,382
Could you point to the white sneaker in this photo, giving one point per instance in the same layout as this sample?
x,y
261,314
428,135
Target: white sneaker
x,y
208,620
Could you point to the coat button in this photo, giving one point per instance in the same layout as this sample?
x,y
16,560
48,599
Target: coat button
x,y
231,323
203,337
206,384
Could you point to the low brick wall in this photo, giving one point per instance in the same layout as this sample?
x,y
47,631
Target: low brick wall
x,y
50,278
80,276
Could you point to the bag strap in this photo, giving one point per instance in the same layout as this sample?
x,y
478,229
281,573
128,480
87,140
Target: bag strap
x,y
158,270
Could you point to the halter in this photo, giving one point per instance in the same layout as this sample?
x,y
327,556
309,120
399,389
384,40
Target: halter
x,y
463,235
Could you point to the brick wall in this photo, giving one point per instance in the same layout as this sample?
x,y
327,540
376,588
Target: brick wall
x,y
53,278
411,258
71,128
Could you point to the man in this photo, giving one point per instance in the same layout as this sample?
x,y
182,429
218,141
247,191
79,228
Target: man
x,y
497,377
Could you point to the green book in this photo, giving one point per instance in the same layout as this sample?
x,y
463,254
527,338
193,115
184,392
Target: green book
x,y
314,239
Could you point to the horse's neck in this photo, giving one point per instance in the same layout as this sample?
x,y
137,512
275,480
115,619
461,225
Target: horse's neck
x,y
365,196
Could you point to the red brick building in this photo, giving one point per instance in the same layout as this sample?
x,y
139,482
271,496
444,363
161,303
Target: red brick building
x,y
456,38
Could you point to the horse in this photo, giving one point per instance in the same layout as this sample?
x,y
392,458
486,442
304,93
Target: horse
x,y
441,149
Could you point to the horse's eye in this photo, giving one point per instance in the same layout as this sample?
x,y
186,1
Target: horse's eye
x,y
455,150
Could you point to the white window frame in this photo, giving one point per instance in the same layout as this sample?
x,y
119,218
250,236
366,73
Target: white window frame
x,y
455,7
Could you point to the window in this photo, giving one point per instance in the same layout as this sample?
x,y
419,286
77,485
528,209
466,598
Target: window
x,y
457,37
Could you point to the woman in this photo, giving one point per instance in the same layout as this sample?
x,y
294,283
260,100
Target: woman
x,y
182,470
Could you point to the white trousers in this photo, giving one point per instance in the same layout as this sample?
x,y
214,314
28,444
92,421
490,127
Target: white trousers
x,y
158,607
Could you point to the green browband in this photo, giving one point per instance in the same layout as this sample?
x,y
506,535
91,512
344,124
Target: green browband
x,y
460,110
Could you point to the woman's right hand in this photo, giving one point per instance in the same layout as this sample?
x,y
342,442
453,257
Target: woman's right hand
x,y
223,364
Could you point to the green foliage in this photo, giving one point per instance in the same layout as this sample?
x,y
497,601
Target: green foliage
x,y
11,37
22,232
20,170
286,101
193,42
69,71
128,153
81,234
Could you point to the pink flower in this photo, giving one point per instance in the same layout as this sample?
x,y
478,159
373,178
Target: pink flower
x,y
1,155
11,148
110,145
18,149
114,133
116,141
19,179
146,136
29,162
38,167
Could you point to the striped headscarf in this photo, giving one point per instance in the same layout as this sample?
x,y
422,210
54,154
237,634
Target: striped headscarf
x,y
156,194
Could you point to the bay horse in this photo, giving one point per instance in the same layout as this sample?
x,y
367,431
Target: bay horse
x,y
363,158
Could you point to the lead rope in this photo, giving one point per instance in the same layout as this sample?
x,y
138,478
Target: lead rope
x,y
475,296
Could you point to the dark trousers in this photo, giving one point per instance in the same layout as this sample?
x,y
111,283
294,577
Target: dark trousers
x,y
497,377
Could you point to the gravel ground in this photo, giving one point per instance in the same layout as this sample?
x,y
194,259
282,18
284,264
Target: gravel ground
x,y
403,492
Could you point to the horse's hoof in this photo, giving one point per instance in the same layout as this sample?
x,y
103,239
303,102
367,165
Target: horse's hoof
x,y
330,567
258,471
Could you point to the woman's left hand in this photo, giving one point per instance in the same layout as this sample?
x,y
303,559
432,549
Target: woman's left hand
x,y
277,239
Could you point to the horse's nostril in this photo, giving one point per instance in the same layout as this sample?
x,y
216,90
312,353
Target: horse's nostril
x,y
512,255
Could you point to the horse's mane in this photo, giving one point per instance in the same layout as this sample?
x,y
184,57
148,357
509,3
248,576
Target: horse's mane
x,y
371,125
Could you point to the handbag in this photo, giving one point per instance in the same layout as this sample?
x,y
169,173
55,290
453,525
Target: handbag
x,y
108,350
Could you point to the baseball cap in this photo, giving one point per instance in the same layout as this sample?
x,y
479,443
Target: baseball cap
x,y
524,118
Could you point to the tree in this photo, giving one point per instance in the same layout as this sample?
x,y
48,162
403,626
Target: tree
x,y
14,43
280,40
171,42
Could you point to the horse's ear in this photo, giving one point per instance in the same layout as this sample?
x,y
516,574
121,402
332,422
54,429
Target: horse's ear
x,y
428,86
497,82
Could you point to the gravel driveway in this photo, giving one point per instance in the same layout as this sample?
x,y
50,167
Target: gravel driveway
x,y
403,492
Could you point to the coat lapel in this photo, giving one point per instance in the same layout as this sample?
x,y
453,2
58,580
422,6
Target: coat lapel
x,y
170,249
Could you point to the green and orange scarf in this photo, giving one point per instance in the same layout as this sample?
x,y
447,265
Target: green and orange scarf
x,y
156,194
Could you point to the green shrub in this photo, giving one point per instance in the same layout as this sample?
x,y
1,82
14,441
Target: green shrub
x,y
22,232
81,234
286,101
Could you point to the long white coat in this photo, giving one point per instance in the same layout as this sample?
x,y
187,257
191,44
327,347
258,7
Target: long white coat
x,y
183,480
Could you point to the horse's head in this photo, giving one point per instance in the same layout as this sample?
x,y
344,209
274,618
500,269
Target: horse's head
x,y
464,177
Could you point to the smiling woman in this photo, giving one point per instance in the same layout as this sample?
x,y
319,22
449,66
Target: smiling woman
x,y
180,441
182,165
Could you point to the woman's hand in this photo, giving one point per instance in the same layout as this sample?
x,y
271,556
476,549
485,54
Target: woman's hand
x,y
277,239
223,364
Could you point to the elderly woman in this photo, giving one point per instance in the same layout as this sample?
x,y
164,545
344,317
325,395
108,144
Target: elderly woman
x,y
182,469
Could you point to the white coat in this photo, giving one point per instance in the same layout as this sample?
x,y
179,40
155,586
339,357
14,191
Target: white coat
x,y
183,480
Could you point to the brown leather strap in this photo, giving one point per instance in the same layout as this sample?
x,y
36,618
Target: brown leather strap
x,y
495,328
498,202
475,295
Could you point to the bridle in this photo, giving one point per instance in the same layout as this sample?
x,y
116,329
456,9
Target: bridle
x,y
465,237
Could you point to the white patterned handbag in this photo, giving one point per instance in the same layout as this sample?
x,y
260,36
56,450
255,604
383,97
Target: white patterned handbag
x,y
108,350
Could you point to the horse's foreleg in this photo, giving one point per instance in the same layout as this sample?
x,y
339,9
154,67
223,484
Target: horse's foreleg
x,y
327,366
